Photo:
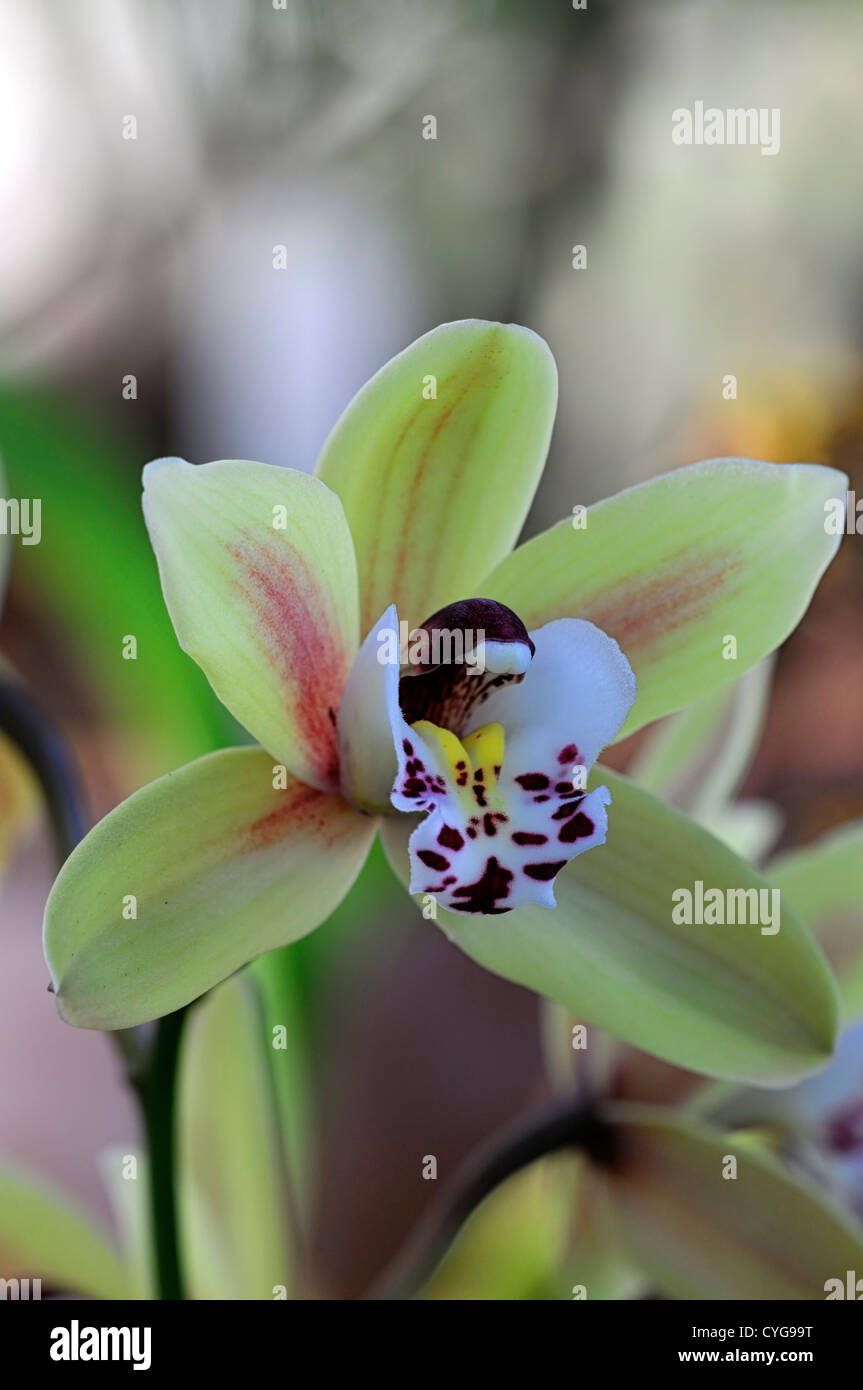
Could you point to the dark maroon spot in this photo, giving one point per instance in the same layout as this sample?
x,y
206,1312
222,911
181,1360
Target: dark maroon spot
x,y
479,796
576,829
563,787
471,833
408,747
544,871
483,895
461,765
461,780
434,861
331,712
538,799
414,785
447,881
479,775
497,769
524,837
568,754
533,781
450,838
488,824
565,811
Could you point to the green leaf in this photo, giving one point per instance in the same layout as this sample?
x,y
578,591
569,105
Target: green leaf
x,y
43,1236
436,489
766,1234
824,883
674,567
188,880
234,1203
726,1000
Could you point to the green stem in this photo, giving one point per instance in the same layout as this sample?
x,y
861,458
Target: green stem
x,y
157,1094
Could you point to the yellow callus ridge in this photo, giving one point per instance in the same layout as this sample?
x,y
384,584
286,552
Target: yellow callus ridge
x,y
484,747
481,751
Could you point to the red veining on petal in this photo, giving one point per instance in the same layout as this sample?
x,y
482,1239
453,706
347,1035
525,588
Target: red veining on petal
x,y
302,641
641,612
299,808
486,359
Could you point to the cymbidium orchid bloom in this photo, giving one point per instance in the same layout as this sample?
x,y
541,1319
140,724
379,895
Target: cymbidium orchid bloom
x,y
282,586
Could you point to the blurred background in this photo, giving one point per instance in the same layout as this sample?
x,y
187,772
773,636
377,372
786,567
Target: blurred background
x,y
154,155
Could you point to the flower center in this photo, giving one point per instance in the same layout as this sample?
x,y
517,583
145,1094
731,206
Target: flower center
x,y
444,691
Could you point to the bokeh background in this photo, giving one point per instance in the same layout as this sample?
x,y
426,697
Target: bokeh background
x,y
302,127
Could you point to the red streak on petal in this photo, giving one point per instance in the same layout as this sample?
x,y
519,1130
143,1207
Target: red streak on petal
x,y
482,365
302,641
300,809
643,611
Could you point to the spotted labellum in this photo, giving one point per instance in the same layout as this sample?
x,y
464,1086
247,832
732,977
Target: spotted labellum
x,y
490,756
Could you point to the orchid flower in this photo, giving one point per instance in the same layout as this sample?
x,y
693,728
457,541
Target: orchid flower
x,y
286,589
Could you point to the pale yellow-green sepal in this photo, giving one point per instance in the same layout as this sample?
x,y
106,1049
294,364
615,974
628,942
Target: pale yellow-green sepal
x,y
189,879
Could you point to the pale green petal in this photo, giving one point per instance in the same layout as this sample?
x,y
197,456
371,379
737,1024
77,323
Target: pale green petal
x,y
216,864
674,568
514,1244
731,1001
259,576
436,490
598,1266
750,827
764,1234
824,883
234,1207
43,1236
697,759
